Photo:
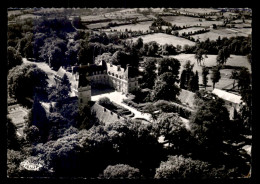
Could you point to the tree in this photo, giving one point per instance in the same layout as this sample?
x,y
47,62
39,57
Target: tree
x,y
76,22
223,55
37,117
12,138
194,82
53,52
25,81
61,91
183,79
234,75
152,48
187,75
13,58
139,43
169,65
199,55
244,79
105,102
215,75
149,74
121,171
209,123
205,72
179,167
174,131
165,87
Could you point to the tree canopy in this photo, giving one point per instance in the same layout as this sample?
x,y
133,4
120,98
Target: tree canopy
x,y
25,81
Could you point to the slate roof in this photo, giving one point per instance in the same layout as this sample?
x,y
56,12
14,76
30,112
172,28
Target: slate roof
x,y
227,96
187,97
104,115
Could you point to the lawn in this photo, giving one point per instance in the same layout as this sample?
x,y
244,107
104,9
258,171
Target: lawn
x,y
226,32
225,81
162,39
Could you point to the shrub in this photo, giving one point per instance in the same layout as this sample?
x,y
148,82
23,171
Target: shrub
x,y
121,171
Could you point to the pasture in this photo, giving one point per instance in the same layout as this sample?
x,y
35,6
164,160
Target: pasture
x,y
142,26
198,10
226,32
162,39
189,21
225,81
192,29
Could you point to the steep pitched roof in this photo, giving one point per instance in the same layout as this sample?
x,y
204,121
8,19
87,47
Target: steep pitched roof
x,y
104,115
131,72
227,96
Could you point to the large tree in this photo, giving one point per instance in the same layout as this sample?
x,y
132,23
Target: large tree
x,y
187,75
209,123
169,65
223,55
149,74
53,52
179,167
205,72
13,58
199,55
25,81
171,127
165,87
234,75
194,82
215,75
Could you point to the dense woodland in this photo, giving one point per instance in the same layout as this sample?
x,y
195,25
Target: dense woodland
x,y
71,142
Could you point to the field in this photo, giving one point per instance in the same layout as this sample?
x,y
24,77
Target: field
x,y
162,39
225,81
25,16
189,21
227,32
198,10
142,26
192,29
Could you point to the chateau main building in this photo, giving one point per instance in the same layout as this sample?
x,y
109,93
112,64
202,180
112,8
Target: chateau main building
x,y
84,77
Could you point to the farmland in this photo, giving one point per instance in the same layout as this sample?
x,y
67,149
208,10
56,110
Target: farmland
x,y
197,10
192,29
189,21
133,83
226,32
162,39
142,26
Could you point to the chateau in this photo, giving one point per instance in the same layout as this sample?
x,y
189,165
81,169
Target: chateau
x,y
85,77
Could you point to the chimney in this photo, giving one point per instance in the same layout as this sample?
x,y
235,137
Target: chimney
x,y
118,67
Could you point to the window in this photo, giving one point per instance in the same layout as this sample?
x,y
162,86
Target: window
x,y
81,100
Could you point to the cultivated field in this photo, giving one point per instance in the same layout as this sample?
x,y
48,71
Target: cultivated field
x,y
226,32
225,81
189,21
162,39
